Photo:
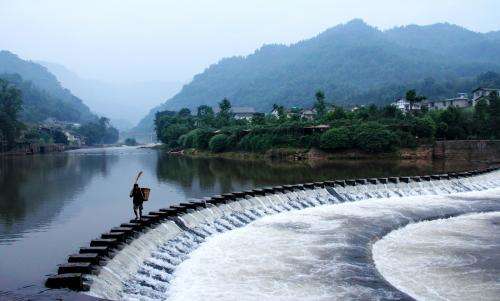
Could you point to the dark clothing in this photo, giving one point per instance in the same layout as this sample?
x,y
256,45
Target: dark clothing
x,y
137,196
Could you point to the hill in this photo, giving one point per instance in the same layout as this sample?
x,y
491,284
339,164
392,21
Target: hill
x,y
351,62
43,95
134,99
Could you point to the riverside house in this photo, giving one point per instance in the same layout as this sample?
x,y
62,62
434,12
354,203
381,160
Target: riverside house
x,y
461,101
481,93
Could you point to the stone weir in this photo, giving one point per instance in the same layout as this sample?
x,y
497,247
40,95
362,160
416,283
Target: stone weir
x,y
77,273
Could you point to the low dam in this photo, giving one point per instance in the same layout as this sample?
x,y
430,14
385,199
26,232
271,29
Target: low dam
x,y
294,242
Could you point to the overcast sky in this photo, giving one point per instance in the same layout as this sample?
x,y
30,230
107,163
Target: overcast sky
x,y
173,40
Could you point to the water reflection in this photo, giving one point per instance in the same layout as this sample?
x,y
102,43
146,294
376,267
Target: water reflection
x,y
52,204
34,190
224,175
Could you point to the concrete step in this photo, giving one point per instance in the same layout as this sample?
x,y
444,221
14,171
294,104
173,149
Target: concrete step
x,y
103,251
75,267
69,280
119,236
101,242
87,257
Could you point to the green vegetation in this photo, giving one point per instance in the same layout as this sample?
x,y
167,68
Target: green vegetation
x,y
371,129
354,64
43,95
36,108
24,110
10,106
130,142
218,143
99,132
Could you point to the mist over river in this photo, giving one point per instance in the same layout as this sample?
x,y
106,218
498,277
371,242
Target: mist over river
x,y
50,205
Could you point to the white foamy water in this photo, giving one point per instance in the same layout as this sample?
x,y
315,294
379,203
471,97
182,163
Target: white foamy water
x,y
446,259
319,253
301,245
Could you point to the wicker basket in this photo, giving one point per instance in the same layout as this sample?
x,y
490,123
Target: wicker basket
x,y
145,193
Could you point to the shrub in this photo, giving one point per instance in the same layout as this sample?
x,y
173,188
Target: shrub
x,y
130,142
336,138
256,142
197,138
171,134
424,127
373,137
218,143
406,139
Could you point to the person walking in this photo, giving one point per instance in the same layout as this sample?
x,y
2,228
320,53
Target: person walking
x,y
137,199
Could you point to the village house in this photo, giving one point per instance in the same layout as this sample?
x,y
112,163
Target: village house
x,y
404,105
240,112
481,93
461,101
289,112
308,114
243,113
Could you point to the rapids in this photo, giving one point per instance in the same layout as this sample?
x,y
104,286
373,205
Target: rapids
x,y
301,245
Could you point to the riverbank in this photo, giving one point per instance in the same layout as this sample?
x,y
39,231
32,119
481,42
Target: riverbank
x,y
486,151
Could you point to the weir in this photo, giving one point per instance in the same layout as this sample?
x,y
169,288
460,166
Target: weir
x,y
138,258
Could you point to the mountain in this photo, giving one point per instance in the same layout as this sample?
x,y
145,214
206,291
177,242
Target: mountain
x,y
124,103
350,62
43,95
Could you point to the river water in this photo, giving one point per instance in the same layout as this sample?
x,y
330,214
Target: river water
x,y
50,205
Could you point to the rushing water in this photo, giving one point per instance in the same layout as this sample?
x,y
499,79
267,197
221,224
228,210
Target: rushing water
x,y
50,205
311,245
445,259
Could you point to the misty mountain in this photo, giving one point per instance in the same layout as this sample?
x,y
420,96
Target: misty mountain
x,y
350,62
124,103
43,95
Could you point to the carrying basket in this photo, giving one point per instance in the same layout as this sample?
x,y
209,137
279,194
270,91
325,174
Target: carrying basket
x,y
145,193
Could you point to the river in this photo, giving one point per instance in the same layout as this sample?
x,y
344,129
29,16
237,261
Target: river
x,y
52,204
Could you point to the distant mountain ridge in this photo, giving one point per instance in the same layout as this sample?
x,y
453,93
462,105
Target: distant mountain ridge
x,y
124,103
350,62
44,96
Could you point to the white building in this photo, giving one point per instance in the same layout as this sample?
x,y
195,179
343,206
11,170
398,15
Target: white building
x,y
404,105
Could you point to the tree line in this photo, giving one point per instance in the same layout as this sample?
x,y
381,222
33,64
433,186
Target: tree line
x,y
370,128
14,129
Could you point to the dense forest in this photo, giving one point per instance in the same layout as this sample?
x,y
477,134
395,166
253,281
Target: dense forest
x,y
43,95
30,95
370,128
353,63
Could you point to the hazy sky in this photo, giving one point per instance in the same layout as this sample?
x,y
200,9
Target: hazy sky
x,y
173,40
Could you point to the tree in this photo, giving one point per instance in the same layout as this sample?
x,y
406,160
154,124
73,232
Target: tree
x,y
59,137
280,110
224,115
336,138
10,106
412,97
481,119
424,127
100,132
218,143
130,142
494,110
338,113
320,104
184,113
258,119
375,138
205,115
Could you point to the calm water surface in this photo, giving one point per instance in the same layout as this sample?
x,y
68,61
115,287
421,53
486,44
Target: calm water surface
x,y
50,205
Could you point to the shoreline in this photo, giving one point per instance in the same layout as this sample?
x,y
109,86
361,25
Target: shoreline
x,y
480,151
305,156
